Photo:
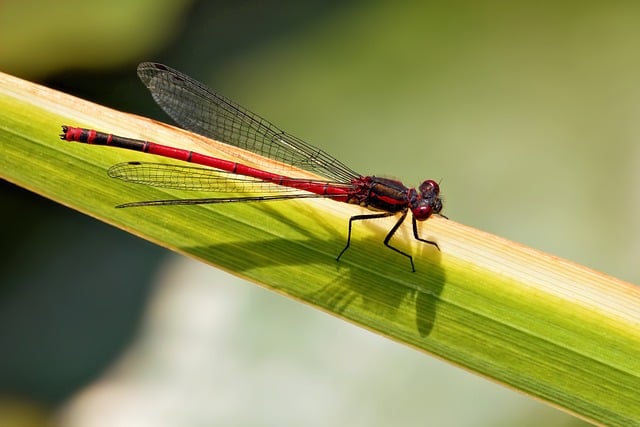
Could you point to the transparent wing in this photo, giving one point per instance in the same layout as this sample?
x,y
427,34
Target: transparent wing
x,y
197,179
199,109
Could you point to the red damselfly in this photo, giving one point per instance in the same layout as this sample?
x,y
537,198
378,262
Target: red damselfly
x,y
199,109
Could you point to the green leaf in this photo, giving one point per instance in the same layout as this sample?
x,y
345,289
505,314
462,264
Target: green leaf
x,y
549,328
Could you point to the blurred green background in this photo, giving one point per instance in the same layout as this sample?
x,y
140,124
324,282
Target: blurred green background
x,y
526,111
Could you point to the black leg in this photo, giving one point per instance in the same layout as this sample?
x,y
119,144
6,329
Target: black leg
x,y
387,238
415,234
360,218
390,235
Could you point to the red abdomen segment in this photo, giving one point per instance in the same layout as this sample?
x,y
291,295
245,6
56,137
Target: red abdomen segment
x,y
90,136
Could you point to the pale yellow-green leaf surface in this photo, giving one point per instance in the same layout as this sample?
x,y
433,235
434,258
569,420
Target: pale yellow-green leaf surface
x,y
555,330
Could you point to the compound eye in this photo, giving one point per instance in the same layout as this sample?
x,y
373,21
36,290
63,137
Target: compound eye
x,y
429,188
422,211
